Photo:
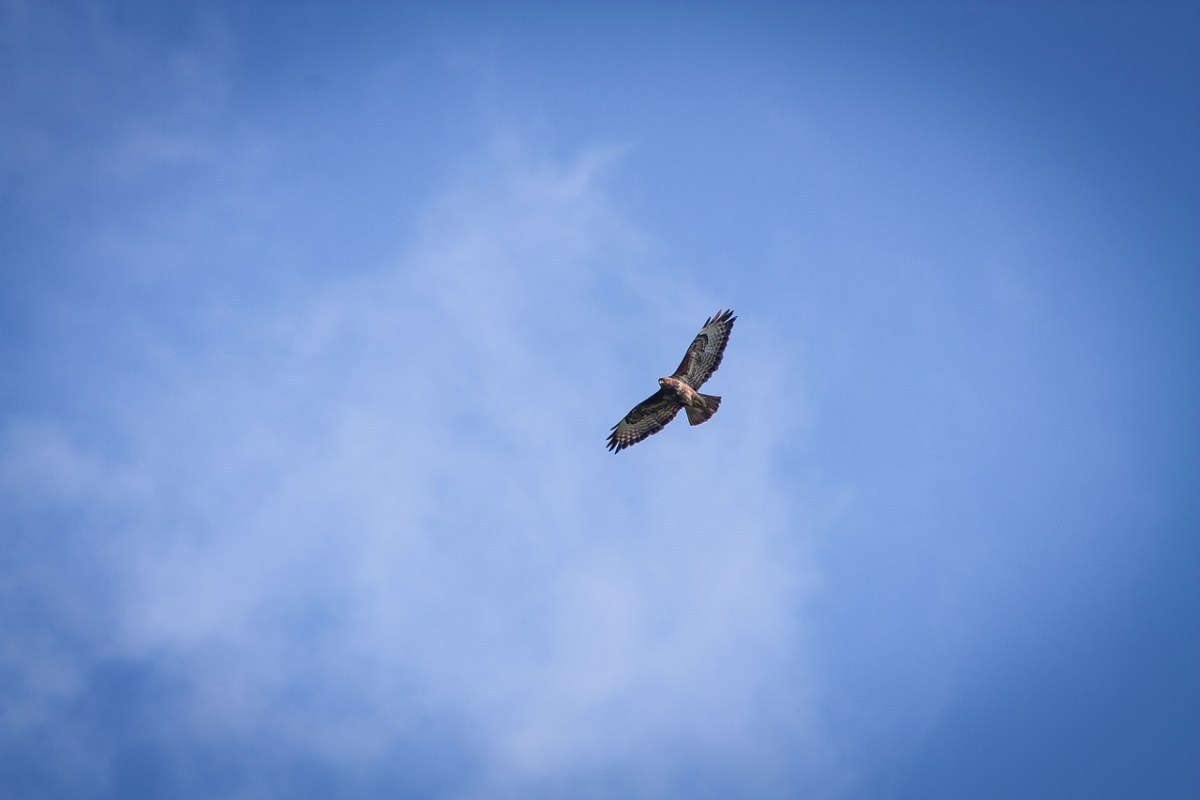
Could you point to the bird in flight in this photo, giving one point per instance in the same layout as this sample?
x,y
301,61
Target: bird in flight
x,y
678,391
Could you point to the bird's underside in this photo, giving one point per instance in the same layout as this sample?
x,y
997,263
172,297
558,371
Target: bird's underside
x,y
679,390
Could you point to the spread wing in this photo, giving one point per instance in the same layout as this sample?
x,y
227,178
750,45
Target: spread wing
x,y
647,418
705,353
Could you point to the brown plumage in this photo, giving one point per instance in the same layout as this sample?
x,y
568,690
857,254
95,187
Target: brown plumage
x,y
678,391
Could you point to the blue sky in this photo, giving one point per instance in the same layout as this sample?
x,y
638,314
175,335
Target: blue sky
x,y
314,319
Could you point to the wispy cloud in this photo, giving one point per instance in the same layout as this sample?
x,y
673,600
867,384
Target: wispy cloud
x,y
312,328
368,502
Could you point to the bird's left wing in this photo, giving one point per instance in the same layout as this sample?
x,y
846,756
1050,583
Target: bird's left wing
x,y
706,351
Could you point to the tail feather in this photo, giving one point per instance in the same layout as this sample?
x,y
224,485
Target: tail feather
x,y
698,415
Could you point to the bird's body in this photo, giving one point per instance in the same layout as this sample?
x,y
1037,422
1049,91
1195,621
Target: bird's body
x,y
680,389
699,407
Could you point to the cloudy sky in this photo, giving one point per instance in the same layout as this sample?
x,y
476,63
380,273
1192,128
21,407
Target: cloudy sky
x,y
314,318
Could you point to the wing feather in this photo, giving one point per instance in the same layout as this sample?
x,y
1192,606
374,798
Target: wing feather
x,y
704,354
645,419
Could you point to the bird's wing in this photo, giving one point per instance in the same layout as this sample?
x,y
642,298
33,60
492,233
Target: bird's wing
x,y
705,353
646,419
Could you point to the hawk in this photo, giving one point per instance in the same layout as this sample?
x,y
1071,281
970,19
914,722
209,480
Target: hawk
x,y
678,391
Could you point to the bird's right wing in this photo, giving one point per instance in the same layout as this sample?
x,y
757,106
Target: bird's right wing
x,y
646,419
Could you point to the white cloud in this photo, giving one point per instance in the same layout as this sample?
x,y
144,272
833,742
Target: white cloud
x,y
324,512
391,498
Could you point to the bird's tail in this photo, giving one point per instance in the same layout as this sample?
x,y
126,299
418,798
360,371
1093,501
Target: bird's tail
x,y
699,415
